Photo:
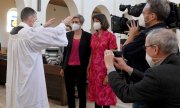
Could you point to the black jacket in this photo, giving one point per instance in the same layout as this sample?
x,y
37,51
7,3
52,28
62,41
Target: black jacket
x,y
84,49
160,86
135,53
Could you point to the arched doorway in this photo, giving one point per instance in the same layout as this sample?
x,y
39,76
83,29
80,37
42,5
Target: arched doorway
x,y
60,9
11,19
57,9
101,9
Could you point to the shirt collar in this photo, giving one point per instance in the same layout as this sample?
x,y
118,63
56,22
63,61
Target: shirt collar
x,y
24,25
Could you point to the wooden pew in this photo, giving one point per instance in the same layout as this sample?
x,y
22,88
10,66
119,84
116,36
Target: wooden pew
x,y
55,84
3,65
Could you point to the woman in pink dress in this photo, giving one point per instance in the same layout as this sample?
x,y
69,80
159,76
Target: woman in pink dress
x,y
99,90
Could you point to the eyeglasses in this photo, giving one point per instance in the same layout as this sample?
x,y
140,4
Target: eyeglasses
x,y
145,47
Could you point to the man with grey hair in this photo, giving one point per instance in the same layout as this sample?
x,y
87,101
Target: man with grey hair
x,y
159,87
155,13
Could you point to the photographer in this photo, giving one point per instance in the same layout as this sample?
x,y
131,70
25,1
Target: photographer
x,y
155,12
159,87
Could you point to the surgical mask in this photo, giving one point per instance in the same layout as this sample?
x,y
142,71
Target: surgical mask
x,y
75,26
36,24
149,60
152,63
141,21
97,25
146,22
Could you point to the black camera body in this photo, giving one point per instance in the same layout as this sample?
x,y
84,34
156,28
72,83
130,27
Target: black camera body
x,y
119,24
173,20
133,10
121,73
117,53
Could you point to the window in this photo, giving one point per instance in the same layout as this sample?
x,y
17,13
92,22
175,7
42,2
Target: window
x,y
11,19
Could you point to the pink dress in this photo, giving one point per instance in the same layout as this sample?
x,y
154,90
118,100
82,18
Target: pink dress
x,y
97,92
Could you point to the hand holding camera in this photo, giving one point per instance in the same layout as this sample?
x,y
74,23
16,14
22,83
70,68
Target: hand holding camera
x,y
121,64
133,28
115,58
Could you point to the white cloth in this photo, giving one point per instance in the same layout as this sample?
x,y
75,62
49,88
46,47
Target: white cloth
x,y
25,85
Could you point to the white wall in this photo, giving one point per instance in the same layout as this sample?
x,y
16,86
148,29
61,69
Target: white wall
x,y
178,36
83,7
5,6
42,17
58,12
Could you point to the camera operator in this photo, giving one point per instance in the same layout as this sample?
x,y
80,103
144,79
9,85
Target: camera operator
x,y
160,84
155,13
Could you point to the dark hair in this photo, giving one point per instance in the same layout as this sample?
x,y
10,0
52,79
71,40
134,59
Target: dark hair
x,y
26,12
160,7
165,39
103,20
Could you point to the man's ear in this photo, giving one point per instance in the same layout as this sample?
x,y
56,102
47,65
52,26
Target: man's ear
x,y
153,16
156,50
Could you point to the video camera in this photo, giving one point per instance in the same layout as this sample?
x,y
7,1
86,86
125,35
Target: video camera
x,y
119,24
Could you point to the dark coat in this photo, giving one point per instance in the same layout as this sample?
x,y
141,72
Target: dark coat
x,y
134,52
160,86
84,49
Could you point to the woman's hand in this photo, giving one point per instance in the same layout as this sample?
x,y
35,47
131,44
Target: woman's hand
x,y
62,72
105,82
108,59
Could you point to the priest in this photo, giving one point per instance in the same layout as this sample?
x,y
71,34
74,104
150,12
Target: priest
x,y
25,85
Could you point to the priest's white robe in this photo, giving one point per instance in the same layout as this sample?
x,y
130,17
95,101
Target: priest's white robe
x,y
25,85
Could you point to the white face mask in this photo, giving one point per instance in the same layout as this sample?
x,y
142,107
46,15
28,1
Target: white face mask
x,y
141,21
152,63
149,60
75,27
36,24
97,25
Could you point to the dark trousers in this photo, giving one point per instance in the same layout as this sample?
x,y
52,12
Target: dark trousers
x,y
74,74
98,106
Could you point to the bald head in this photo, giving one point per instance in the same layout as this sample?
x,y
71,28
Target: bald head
x,y
165,39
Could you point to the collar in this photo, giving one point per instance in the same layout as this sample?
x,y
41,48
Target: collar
x,y
24,25
158,25
171,58
103,32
